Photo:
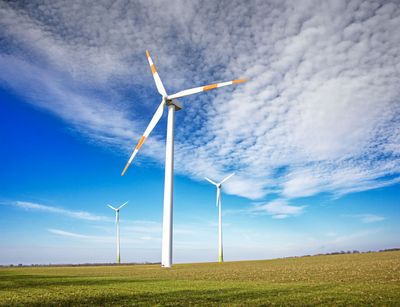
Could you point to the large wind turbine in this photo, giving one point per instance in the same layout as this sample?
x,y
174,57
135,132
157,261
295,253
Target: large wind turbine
x,y
117,223
173,105
219,205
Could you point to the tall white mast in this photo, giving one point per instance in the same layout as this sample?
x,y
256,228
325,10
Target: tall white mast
x,y
166,260
220,248
118,241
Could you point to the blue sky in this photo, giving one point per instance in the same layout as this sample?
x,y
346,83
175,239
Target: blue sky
x,y
313,136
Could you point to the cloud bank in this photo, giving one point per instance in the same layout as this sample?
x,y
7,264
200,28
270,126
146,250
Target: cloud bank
x,y
320,113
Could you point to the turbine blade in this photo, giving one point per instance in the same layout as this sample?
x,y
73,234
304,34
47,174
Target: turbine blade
x,y
122,205
210,181
116,217
160,86
112,207
218,197
204,88
156,117
226,178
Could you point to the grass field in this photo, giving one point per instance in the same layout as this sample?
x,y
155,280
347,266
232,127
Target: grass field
x,y
356,279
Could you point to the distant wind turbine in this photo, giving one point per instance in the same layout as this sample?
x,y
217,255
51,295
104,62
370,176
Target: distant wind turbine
x,y
173,105
219,205
117,223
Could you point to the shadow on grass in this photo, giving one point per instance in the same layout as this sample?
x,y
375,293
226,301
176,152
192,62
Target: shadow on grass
x,y
45,290
151,295
323,295
42,281
231,296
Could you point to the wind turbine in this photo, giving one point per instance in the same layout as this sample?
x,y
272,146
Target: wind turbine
x,y
173,105
219,205
117,223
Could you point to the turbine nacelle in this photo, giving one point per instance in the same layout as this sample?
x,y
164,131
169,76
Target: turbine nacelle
x,y
117,209
176,103
219,187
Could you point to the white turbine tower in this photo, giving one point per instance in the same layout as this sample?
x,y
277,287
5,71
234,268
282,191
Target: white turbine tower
x,y
117,223
219,205
173,105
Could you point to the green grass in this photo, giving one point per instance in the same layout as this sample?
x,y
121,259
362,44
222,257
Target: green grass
x,y
356,279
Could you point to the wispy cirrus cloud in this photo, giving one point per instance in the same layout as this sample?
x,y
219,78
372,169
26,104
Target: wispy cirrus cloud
x,y
81,215
133,231
368,218
64,233
320,112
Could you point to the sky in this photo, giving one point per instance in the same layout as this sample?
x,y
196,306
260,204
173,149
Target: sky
x,y
313,136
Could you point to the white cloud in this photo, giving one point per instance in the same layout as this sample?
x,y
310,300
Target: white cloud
x,y
82,215
278,208
320,112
